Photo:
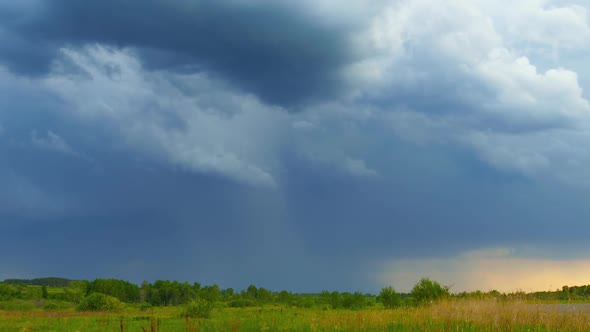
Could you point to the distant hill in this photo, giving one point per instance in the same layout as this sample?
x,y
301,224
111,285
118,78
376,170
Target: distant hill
x,y
49,282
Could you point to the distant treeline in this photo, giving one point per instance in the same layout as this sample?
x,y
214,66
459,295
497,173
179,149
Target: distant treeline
x,y
48,282
172,293
566,293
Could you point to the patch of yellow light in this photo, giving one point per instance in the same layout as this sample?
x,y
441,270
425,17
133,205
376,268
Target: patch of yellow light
x,y
486,270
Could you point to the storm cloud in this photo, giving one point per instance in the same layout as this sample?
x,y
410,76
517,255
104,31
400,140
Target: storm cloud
x,y
279,144
273,49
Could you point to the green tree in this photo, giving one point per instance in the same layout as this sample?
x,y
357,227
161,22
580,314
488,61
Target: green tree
x,y
353,301
227,294
284,296
252,292
428,291
44,293
76,290
121,289
390,298
335,300
162,292
263,295
210,293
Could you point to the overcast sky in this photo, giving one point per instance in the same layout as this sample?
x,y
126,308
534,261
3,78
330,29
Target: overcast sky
x,y
301,145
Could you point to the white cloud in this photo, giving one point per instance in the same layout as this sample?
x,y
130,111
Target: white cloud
x,y
546,23
52,141
189,120
458,72
487,269
522,94
358,167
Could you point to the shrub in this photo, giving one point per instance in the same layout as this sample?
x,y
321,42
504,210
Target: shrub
x,y
390,298
198,308
242,303
7,292
145,306
409,302
50,306
100,302
428,291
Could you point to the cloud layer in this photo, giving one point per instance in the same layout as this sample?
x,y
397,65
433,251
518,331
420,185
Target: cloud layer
x,y
323,134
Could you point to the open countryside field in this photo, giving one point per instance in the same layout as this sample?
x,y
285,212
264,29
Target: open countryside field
x,y
451,315
118,305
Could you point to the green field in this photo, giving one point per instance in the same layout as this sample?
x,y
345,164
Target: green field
x,y
118,305
453,315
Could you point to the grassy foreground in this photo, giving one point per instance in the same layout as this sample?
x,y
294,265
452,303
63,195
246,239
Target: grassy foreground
x,y
455,315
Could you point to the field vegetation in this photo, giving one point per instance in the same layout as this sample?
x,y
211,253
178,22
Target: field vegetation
x,y
117,305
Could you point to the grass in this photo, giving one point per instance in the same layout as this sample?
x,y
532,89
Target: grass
x,y
456,315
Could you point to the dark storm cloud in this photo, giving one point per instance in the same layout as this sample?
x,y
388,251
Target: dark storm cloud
x,y
133,170
274,50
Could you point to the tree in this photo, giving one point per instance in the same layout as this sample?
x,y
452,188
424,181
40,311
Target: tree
x,y
227,294
353,301
263,295
77,290
284,296
121,289
44,292
428,291
335,300
252,292
163,292
210,293
390,298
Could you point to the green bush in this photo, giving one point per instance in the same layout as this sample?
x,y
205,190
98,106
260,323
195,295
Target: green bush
x,y
100,302
242,303
198,308
390,298
7,292
50,306
427,291
145,306
409,302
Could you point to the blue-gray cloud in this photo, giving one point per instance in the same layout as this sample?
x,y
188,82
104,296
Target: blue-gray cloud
x,y
155,140
269,48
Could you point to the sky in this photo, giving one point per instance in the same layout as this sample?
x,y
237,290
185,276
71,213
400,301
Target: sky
x,y
309,145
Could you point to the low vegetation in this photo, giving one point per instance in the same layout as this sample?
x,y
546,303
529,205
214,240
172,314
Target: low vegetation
x,y
117,305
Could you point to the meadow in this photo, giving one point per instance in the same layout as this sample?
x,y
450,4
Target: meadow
x,y
54,304
447,315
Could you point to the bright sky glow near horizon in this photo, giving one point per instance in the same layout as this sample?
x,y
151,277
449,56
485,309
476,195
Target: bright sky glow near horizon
x,y
309,145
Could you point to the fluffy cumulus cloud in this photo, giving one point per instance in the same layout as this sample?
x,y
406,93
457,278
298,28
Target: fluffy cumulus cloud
x,y
456,72
303,120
